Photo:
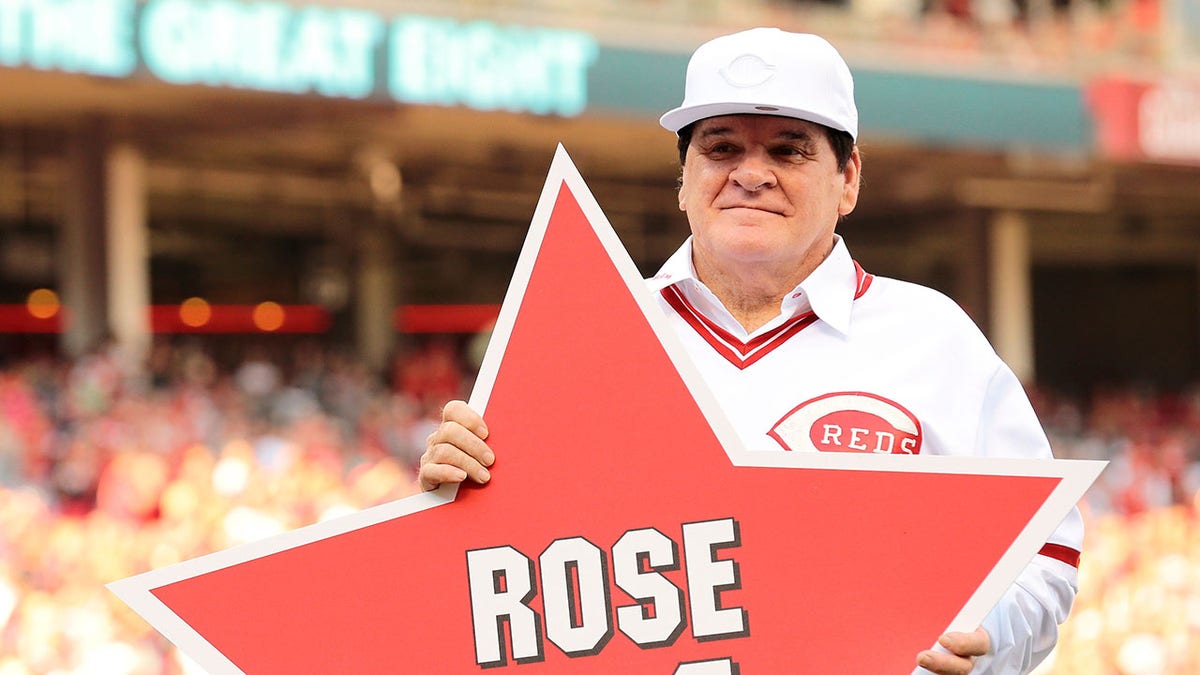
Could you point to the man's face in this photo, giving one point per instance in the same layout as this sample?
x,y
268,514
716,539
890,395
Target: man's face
x,y
765,191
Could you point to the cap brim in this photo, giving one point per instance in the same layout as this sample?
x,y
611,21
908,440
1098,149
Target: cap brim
x,y
676,119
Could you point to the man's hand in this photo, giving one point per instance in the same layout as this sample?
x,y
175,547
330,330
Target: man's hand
x,y
963,648
456,449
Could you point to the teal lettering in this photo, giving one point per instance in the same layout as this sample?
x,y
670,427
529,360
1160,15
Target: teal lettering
x,y
255,59
309,52
489,67
76,36
13,29
166,39
109,24
273,46
219,41
416,54
360,34
332,52
50,46
576,53
266,45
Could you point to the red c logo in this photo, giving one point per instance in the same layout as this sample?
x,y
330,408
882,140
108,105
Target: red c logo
x,y
849,422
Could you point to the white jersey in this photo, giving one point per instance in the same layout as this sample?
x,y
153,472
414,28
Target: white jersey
x,y
858,363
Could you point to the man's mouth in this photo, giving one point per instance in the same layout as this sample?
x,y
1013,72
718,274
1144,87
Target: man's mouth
x,y
751,207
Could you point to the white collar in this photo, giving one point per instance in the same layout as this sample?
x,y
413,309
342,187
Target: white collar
x,y
829,291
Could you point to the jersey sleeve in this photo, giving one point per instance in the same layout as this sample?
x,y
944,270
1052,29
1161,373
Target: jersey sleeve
x,y
1023,626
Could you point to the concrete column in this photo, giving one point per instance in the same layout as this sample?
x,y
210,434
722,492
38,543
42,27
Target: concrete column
x,y
128,253
81,248
1011,296
376,297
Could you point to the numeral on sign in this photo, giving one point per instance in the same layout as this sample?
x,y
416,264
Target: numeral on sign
x,y
714,667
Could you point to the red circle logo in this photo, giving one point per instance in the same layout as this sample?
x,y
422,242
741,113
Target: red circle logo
x,y
849,422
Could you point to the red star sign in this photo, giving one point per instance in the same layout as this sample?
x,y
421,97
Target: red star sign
x,y
624,528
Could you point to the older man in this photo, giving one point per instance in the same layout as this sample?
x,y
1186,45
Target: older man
x,y
787,329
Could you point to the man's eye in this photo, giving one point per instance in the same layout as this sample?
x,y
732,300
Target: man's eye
x,y
721,149
796,153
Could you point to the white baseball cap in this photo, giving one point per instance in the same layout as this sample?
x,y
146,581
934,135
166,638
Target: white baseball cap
x,y
767,71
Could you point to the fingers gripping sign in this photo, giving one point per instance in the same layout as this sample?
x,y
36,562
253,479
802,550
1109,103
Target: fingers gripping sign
x,y
957,654
456,450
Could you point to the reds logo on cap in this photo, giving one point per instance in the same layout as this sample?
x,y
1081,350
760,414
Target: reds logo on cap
x,y
748,70
849,421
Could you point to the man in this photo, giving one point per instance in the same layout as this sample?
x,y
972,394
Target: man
x,y
787,329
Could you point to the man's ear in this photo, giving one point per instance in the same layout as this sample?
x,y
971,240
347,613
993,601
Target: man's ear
x,y
852,176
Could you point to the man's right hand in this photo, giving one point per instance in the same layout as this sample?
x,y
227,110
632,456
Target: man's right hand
x,y
456,449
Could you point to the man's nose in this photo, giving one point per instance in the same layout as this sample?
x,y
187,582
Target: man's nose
x,y
753,174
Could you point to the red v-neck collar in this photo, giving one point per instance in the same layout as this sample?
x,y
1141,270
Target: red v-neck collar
x,y
745,354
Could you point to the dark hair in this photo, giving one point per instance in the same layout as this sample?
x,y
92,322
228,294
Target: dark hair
x,y
841,142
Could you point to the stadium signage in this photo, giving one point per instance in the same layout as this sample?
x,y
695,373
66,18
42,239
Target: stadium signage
x,y
1169,126
1155,120
622,502
327,51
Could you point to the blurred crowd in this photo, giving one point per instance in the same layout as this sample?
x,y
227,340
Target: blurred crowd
x,y
110,468
1078,36
1138,612
1151,438
1050,29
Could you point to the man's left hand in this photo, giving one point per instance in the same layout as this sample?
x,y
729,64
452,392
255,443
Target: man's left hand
x,y
963,648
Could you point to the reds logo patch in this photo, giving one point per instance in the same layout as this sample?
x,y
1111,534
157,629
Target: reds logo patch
x,y
849,421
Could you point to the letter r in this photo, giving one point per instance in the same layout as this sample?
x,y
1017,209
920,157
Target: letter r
x,y
833,435
493,602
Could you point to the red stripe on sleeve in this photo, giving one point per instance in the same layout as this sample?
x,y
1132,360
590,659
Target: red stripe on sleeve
x,y
1063,553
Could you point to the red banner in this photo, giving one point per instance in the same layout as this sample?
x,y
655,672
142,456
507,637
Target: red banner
x,y
1138,120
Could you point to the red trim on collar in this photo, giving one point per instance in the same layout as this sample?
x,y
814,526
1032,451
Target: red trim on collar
x,y
740,354
744,354
862,280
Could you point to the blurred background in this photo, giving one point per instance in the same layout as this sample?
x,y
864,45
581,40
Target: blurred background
x,y
247,249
